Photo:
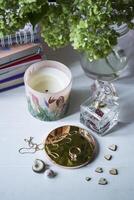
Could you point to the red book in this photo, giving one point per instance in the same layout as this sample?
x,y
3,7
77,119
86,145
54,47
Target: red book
x,y
18,52
20,64
23,60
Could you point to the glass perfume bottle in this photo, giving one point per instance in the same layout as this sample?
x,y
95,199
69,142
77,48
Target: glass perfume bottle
x,y
100,112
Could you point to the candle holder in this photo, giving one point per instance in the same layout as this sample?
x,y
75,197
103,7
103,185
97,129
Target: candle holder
x,y
48,86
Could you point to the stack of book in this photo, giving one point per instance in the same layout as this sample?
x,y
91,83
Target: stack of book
x,y
17,53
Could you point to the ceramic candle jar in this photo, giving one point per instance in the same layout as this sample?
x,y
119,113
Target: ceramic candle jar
x,y
48,85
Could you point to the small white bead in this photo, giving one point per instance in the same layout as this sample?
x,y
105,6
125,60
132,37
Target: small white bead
x,y
49,173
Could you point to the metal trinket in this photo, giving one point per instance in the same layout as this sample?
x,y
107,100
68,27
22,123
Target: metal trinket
x,y
113,147
102,181
32,147
108,157
99,170
113,171
88,179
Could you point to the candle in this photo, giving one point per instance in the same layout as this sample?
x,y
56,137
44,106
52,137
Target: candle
x,y
48,85
49,80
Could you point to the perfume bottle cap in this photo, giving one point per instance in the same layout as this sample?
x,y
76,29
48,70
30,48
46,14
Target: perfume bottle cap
x,y
102,90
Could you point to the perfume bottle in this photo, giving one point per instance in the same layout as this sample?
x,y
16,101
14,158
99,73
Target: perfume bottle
x,y
100,112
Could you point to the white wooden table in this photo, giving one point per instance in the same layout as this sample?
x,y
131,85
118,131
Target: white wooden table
x,y
18,181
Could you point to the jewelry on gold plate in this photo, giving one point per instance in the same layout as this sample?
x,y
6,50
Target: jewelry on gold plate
x,y
74,153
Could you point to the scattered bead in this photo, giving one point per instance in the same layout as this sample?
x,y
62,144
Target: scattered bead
x,y
38,166
113,147
50,173
113,171
88,178
102,181
99,170
108,157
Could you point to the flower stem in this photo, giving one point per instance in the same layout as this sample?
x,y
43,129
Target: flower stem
x,y
111,67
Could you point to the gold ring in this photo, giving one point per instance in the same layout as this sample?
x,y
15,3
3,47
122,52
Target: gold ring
x,y
74,152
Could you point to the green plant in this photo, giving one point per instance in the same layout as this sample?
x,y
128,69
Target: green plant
x,y
87,24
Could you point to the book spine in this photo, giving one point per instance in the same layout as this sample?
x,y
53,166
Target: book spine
x,y
21,60
12,83
12,78
11,87
16,69
17,56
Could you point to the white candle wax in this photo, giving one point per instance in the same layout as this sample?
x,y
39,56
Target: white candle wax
x,y
49,79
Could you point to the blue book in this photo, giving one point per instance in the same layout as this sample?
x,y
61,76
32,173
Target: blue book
x,y
12,87
12,82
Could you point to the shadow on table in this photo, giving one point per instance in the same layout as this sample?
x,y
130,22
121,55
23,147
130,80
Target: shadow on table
x,y
76,99
118,127
126,113
17,92
66,55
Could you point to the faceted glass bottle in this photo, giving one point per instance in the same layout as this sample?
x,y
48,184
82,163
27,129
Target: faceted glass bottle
x,y
100,112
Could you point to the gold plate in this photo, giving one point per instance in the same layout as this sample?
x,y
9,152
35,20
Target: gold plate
x,y
70,146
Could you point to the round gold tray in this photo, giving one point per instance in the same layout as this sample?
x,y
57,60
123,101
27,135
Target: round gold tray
x,y
70,146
